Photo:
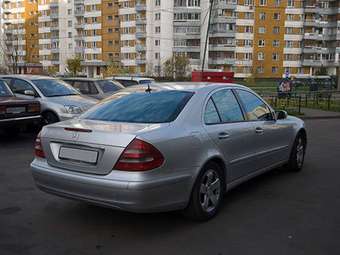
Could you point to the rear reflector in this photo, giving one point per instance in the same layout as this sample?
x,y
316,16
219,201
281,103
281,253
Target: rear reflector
x,y
38,150
139,156
33,108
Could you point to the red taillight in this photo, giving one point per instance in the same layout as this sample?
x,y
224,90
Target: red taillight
x,y
2,109
38,149
139,156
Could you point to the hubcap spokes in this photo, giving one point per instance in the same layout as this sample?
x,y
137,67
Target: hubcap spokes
x,y
210,191
300,153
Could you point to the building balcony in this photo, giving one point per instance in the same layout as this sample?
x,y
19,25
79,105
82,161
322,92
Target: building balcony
x,y
140,35
54,4
225,5
54,15
78,1
78,13
221,61
313,36
79,49
315,49
140,48
221,47
79,25
140,6
7,1
140,21
55,62
187,49
221,33
223,19
7,11
140,61
54,50
54,28
318,63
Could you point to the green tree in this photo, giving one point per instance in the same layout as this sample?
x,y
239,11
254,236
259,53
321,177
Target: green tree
x,y
115,68
177,67
74,65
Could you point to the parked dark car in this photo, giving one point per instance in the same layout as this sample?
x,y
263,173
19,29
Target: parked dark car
x,y
96,88
15,112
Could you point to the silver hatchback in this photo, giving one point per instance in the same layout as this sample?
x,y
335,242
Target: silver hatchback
x,y
59,101
169,147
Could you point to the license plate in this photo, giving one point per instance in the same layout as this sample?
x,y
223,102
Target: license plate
x,y
87,156
15,109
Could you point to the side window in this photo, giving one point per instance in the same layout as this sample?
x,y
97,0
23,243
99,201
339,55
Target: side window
x,y
93,89
227,106
255,108
82,87
210,114
19,86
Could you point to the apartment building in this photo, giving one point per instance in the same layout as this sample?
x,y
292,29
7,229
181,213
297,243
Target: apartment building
x,y
47,33
262,38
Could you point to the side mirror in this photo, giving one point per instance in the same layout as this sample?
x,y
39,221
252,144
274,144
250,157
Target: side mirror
x,y
281,115
29,93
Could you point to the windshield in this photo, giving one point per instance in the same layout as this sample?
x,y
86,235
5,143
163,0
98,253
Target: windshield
x,y
54,88
4,91
141,107
109,86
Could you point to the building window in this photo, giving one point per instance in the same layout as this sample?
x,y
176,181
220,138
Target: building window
x,y
69,34
157,30
274,69
110,30
276,16
290,3
193,3
263,2
157,2
157,42
157,55
262,16
261,43
262,30
109,18
277,2
259,69
110,43
248,2
275,56
248,29
276,43
276,30
109,4
69,11
70,46
157,16
260,56
69,23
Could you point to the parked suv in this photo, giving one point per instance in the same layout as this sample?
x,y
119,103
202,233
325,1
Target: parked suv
x,y
59,101
96,88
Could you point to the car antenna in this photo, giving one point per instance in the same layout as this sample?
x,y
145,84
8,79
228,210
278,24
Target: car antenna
x,y
148,89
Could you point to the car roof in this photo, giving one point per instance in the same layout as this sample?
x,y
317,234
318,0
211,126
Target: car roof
x,y
83,79
132,78
185,86
27,76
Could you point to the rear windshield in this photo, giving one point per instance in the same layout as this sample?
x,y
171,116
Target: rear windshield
x,y
127,83
109,86
55,88
154,107
4,91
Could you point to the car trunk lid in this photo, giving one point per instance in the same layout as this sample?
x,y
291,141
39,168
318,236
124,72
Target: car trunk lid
x,y
88,146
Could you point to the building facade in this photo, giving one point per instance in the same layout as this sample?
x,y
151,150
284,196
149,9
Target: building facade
x,y
260,38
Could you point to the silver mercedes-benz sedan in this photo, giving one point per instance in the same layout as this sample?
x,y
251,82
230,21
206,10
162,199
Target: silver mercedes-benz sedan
x,y
167,147
59,101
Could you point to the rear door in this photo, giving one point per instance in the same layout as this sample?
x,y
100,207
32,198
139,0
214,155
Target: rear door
x,y
271,136
225,123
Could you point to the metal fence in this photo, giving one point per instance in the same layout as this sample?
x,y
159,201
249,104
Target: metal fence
x,y
296,101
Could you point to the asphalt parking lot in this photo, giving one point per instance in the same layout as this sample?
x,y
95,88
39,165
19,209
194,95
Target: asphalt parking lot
x,y
277,213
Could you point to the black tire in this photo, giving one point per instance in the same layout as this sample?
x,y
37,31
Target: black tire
x,y
50,117
196,209
297,155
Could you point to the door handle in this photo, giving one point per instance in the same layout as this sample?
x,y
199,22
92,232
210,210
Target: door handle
x,y
259,130
223,135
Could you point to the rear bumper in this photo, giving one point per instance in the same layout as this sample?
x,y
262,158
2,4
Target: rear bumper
x,y
20,121
161,194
